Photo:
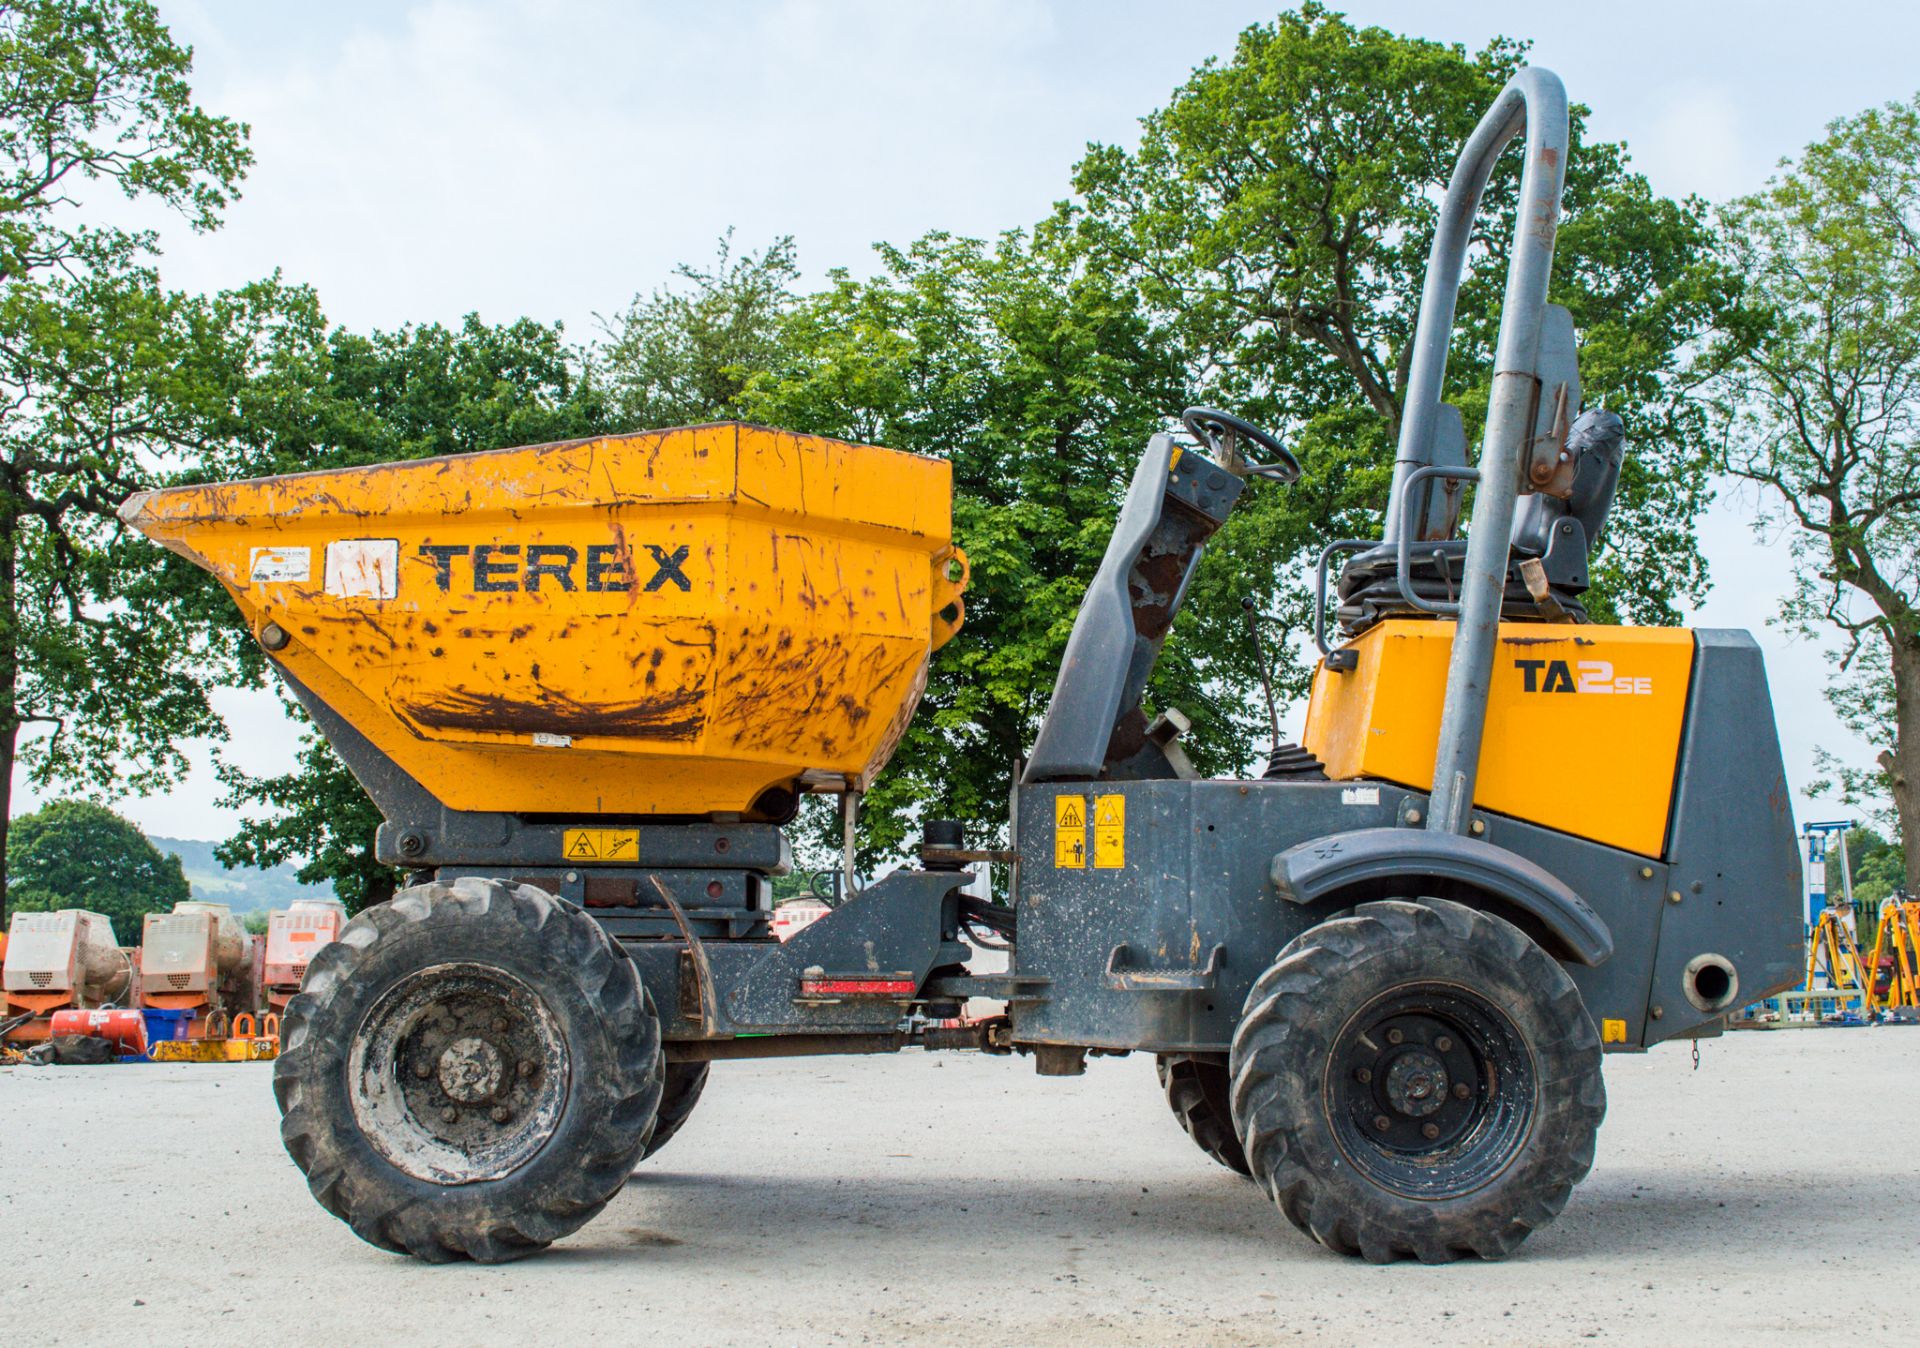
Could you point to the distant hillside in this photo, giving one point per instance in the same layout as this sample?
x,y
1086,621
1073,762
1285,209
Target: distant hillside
x,y
244,890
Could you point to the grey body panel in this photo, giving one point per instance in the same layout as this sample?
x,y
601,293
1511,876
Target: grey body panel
x,y
1734,854
1199,874
902,924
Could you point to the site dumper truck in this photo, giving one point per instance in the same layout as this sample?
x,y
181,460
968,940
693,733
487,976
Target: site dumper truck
x,y
587,683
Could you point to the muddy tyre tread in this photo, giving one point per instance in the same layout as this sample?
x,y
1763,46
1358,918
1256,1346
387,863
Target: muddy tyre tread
x,y
1277,1059
1197,1090
685,1082
608,1119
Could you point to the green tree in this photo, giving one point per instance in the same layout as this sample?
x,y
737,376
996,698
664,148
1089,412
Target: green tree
x,y
1876,866
324,397
1278,212
76,854
683,354
1040,380
316,815
103,376
1821,407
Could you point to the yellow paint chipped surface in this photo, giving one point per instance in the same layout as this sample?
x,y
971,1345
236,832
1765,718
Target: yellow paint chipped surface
x,y
667,623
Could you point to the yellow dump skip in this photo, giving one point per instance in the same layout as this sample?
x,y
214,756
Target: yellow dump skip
x,y
666,623
1583,722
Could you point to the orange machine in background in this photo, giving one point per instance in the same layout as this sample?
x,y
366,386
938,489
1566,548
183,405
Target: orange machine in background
x,y
199,958
294,936
55,961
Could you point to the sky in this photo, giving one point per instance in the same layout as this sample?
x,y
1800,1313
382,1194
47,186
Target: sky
x,y
420,161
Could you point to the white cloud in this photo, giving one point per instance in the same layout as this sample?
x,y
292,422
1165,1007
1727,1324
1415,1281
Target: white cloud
x,y
1695,145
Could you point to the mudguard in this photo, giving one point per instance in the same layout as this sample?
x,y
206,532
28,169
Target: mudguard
x,y
1377,862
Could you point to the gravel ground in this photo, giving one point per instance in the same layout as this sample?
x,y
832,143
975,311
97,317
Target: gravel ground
x,y
953,1199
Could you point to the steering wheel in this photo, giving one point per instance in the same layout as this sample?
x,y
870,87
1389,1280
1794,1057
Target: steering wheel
x,y
1210,427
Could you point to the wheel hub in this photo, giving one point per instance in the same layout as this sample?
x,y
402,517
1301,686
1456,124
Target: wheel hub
x,y
470,1070
1431,1090
1417,1083
460,1075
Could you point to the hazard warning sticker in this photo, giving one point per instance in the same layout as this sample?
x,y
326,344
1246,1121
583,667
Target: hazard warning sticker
x,y
601,844
1109,832
1070,831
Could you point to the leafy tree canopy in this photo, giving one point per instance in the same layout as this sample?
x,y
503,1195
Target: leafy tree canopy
x,y
1040,381
1278,213
1820,405
683,354
76,854
1878,867
104,377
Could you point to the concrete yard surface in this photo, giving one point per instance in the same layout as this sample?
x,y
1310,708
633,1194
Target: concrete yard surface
x,y
957,1199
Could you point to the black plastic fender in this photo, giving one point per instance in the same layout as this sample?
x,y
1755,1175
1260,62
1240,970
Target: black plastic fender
x,y
1373,863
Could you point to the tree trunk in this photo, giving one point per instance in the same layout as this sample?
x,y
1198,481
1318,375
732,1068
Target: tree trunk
x,y
9,686
1902,762
7,738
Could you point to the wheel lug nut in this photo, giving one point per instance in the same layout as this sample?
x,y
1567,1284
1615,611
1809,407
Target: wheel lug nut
x,y
450,1114
1461,1090
528,1068
422,1071
1429,1131
1394,1036
499,1024
1444,1044
1381,1123
501,1113
1363,1075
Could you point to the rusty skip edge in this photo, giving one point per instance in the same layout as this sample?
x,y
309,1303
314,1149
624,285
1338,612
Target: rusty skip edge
x,y
652,438
205,503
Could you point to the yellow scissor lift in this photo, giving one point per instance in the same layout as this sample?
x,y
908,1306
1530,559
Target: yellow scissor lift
x,y
1833,953
1838,986
1897,939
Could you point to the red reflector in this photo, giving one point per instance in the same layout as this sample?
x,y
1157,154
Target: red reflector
x,y
856,987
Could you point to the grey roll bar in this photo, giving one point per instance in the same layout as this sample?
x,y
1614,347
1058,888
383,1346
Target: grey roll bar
x,y
1536,101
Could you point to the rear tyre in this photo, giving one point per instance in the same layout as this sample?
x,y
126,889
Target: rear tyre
x,y
1417,1080
684,1083
1197,1090
470,1071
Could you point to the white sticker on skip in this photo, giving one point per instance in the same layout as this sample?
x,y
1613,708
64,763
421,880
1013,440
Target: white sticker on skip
x,y
267,566
363,568
548,740
1360,795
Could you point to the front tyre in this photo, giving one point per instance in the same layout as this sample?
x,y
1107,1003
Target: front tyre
x,y
470,1071
1417,1080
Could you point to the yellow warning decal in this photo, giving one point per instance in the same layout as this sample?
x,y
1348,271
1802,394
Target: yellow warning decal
x,y
1070,831
1109,832
601,844
1613,1031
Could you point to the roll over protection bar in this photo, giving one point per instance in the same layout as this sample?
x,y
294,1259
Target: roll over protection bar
x,y
1535,100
